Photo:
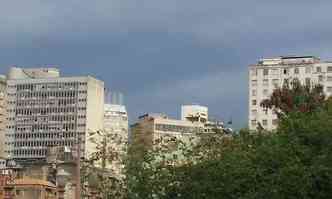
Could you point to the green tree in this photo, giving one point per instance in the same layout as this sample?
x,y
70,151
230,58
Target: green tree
x,y
295,97
294,162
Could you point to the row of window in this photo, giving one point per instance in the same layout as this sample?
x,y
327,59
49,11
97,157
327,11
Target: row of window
x,y
49,118
45,86
58,135
286,71
46,127
265,92
49,94
31,152
45,111
264,122
276,83
44,143
51,102
43,127
178,128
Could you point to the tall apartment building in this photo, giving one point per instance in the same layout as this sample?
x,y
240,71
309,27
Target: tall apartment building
x,y
116,119
3,115
116,123
45,110
269,74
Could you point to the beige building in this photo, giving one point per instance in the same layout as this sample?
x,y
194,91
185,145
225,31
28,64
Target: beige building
x,y
194,113
269,74
27,188
152,127
45,110
3,115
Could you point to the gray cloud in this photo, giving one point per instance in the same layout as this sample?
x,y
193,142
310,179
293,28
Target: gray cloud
x,y
159,53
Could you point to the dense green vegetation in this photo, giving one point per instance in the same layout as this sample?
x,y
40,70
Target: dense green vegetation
x,y
293,162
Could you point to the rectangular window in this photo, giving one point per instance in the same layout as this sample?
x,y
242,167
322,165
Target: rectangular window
x,y
254,102
329,78
265,82
265,92
275,83
254,83
318,69
308,69
253,92
254,112
253,122
275,71
266,72
296,70
329,69
320,78
285,72
307,81
264,122
329,89
254,72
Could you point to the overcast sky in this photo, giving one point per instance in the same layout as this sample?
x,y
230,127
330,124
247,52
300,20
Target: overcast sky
x,y
164,53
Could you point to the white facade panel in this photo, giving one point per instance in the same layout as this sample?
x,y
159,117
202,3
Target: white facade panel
x,y
264,77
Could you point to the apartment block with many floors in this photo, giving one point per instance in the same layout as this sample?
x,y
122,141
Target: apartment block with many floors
x,y
116,125
46,110
270,73
3,115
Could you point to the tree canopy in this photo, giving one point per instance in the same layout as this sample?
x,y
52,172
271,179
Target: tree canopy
x,y
293,162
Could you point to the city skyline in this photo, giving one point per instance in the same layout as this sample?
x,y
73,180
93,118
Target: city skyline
x,y
155,50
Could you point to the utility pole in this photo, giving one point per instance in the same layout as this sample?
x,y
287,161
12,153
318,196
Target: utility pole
x,y
78,169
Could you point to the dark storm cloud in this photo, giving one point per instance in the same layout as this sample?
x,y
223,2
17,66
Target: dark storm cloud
x,y
164,53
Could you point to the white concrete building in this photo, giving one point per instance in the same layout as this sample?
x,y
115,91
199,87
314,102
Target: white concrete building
x,y
45,109
116,123
269,74
116,119
3,115
194,113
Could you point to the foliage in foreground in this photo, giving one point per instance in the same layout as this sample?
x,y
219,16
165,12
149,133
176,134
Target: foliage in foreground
x,y
293,162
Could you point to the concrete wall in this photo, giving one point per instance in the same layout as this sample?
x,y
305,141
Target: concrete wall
x,y
3,115
261,85
94,111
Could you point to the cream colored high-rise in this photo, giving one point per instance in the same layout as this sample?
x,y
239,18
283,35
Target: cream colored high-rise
x,y
45,110
269,74
116,125
3,114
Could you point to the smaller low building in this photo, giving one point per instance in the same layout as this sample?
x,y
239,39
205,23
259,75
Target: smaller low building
x,y
28,188
153,127
194,113
4,179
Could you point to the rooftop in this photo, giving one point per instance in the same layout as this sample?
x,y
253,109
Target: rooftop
x,y
289,60
32,182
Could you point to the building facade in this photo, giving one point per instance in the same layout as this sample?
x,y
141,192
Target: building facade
x,y
152,127
46,110
3,115
30,189
269,74
116,124
194,113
